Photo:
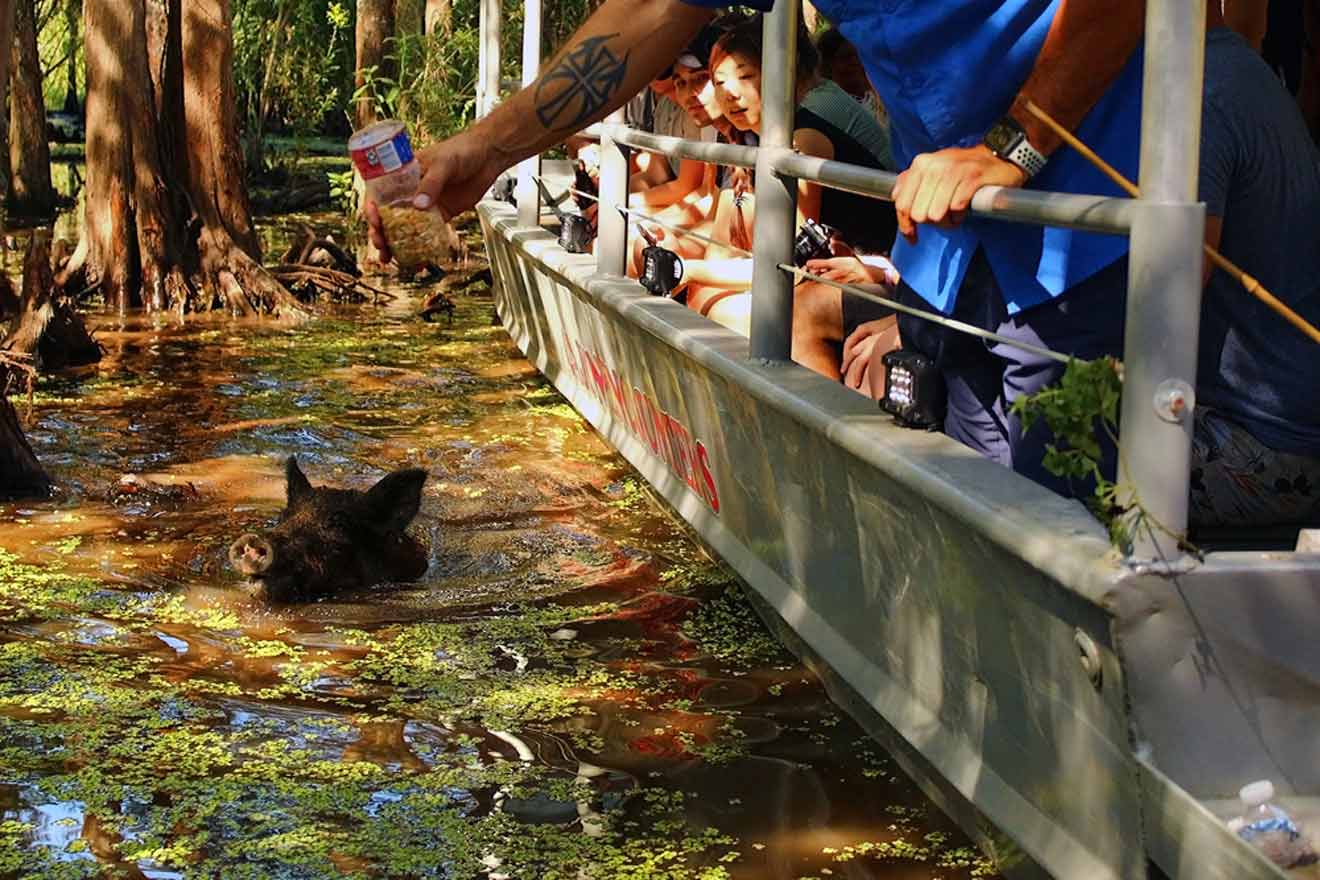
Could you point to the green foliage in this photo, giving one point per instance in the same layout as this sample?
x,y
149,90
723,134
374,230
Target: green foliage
x,y
1083,404
293,67
342,192
727,628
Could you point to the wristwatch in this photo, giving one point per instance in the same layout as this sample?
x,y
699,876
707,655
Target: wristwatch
x,y
1008,141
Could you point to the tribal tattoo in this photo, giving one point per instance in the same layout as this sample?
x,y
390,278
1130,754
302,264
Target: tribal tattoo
x,y
580,85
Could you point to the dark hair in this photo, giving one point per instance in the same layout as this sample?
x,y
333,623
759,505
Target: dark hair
x,y
829,43
745,38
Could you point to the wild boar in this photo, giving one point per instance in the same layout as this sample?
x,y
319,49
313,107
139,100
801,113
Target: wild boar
x,y
332,540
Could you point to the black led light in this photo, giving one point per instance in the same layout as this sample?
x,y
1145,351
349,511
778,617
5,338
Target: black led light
x,y
661,270
575,233
914,390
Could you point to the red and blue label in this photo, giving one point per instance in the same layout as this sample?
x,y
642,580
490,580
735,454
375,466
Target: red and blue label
x,y
384,157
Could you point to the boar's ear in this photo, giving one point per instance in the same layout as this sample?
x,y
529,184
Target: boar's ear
x,y
298,487
393,502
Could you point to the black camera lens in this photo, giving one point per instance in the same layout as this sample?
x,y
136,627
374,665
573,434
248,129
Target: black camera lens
x,y
812,242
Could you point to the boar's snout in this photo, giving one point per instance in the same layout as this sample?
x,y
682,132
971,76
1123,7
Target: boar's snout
x,y
251,555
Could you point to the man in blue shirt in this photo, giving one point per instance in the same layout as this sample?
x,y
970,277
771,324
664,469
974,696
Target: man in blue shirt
x,y
949,74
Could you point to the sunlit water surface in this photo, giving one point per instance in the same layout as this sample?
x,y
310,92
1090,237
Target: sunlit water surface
x,y
574,689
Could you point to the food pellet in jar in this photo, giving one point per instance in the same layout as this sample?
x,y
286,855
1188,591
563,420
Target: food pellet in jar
x,y
416,237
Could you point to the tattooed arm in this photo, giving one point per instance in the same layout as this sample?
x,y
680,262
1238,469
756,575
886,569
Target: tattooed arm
x,y
615,54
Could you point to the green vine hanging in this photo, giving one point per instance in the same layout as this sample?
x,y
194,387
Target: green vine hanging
x,y
1083,403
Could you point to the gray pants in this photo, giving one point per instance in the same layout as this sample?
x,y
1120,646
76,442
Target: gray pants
x,y
1238,481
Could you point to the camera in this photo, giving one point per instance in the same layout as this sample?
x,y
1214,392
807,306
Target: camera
x,y
915,393
812,242
661,270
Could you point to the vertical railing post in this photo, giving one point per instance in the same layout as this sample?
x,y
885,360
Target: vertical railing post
x,y
528,196
776,197
1164,282
611,224
488,56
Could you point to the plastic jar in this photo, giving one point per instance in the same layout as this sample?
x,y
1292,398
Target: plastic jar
x,y
382,154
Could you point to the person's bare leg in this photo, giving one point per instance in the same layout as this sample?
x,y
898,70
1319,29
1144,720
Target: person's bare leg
x,y
818,328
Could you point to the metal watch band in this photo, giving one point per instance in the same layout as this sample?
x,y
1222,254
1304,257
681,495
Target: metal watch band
x,y
1027,157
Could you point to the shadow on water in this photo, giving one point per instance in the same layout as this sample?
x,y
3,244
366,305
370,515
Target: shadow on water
x,y
574,689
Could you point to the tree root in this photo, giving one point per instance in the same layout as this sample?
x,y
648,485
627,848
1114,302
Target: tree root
x,y
243,284
48,327
309,282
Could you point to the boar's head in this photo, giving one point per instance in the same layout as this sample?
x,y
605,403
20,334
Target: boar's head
x,y
328,540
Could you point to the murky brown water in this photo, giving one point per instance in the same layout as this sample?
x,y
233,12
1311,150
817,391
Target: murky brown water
x,y
574,689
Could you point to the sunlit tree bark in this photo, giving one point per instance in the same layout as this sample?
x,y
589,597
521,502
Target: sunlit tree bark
x,y
167,221
30,190
375,27
228,247
6,43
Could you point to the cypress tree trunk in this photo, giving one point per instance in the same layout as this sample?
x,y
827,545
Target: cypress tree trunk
x,y
21,475
167,220
6,43
375,26
30,191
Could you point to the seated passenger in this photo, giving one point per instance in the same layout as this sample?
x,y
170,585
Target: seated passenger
x,y
836,332
1256,444
716,285
690,90
690,201
840,64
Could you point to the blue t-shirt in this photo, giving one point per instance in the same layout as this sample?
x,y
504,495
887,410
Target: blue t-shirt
x,y
946,71
1260,172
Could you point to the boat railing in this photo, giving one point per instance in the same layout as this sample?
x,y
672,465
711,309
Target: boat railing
x,y
1165,226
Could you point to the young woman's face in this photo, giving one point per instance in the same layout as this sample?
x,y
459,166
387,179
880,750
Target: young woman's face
x,y
737,81
695,93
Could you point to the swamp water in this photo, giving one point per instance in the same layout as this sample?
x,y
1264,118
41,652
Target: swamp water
x,y
573,690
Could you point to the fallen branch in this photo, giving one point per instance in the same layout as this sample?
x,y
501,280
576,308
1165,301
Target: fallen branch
x,y
338,284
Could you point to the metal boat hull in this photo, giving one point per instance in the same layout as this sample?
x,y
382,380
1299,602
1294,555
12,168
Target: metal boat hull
x,y
977,620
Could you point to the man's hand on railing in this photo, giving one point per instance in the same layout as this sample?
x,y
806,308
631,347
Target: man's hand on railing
x,y
938,187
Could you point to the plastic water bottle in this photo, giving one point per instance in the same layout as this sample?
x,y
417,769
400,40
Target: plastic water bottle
x,y
383,155
1268,828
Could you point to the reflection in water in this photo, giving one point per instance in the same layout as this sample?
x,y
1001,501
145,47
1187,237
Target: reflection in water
x,y
572,686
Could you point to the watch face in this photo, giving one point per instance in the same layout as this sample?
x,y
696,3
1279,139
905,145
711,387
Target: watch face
x,y
1003,137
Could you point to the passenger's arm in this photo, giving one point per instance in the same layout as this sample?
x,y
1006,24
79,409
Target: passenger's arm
x,y
610,58
690,175
1088,44
810,142
733,274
